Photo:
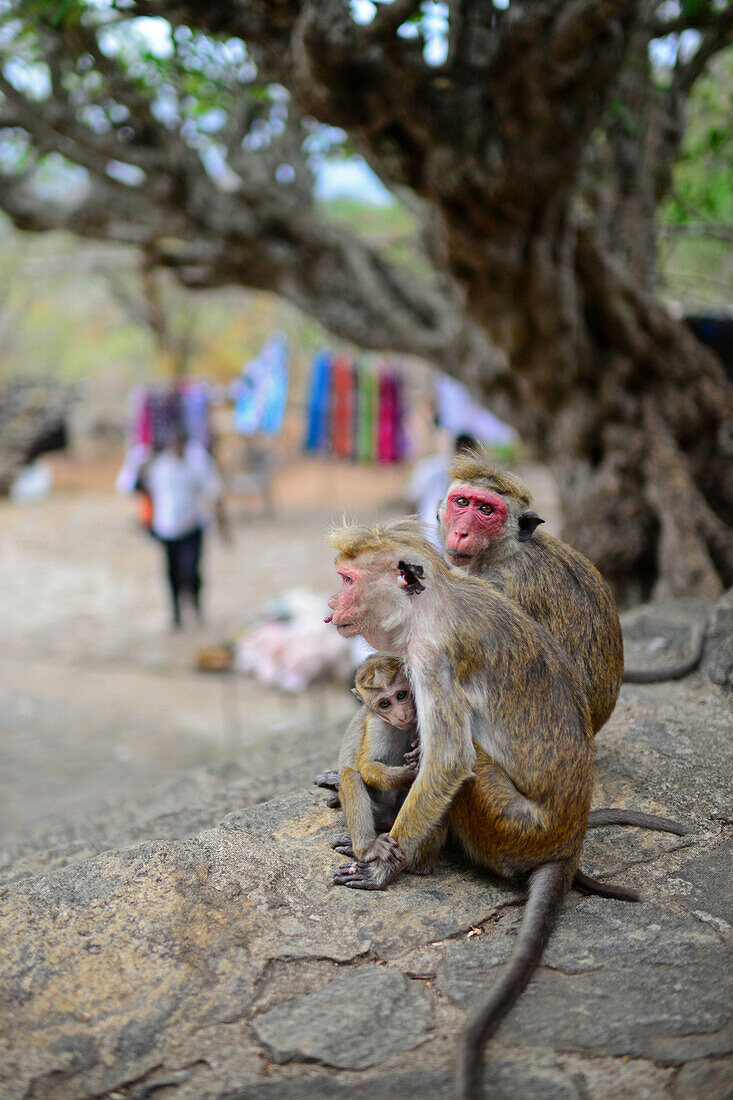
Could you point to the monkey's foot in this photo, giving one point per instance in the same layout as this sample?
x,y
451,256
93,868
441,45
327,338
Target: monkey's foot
x,y
382,863
333,801
359,876
328,778
342,844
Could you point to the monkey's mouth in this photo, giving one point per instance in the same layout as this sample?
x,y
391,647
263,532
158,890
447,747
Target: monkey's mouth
x,y
457,554
339,626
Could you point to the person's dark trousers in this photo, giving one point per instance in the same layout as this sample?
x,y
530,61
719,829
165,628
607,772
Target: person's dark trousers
x,y
183,558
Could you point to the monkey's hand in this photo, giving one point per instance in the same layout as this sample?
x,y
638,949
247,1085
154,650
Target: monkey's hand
x,y
386,849
412,758
381,864
328,779
343,844
406,774
333,801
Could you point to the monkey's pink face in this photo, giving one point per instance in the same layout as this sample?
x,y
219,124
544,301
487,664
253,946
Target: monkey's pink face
x,y
374,599
348,605
473,517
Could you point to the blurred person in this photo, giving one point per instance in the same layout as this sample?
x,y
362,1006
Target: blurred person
x,y
186,491
427,484
128,481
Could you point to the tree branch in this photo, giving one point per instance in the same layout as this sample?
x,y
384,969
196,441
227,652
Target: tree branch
x,y
714,39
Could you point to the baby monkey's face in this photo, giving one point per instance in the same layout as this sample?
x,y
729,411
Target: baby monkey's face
x,y
395,704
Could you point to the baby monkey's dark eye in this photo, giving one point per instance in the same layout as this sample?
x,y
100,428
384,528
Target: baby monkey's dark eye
x,y
383,704
401,695
486,509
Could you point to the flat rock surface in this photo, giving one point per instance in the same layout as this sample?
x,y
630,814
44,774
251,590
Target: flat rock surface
x,y
221,963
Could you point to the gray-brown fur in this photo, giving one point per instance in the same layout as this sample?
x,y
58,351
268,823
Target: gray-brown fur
x,y
506,741
553,583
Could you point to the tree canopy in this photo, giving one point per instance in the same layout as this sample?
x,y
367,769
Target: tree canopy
x,y
535,142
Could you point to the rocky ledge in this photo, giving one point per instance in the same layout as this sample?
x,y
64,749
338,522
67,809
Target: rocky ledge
x,y
224,965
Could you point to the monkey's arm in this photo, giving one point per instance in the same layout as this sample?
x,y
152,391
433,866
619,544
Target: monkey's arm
x,y
347,758
385,778
352,740
447,760
359,812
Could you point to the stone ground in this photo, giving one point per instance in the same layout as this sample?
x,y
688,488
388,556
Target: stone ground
x,y
166,932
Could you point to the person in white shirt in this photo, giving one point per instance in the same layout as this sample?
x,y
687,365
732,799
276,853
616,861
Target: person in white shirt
x,y
187,491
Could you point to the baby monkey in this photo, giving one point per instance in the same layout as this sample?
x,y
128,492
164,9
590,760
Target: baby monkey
x,y
379,757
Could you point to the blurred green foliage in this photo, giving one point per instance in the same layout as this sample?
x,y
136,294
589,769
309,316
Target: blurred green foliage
x,y
702,189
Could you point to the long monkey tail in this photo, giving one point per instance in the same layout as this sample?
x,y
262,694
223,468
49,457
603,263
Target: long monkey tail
x,y
608,816
547,888
672,672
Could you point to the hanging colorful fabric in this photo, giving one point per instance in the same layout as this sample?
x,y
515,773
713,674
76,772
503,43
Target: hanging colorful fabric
x,y
316,436
343,407
275,356
398,418
365,399
384,429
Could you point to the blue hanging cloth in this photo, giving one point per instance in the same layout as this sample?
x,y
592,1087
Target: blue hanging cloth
x,y
274,356
316,436
262,389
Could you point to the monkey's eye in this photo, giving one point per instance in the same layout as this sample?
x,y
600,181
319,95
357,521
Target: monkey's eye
x,y
486,509
384,704
462,502
400,696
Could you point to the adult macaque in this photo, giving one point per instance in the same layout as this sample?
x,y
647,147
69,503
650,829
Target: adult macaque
x,y
505,738
378,758
488,529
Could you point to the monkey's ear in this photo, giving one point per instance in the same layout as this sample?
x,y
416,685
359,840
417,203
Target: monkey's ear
x,y
408,577
527,522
